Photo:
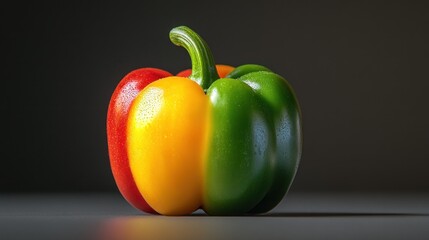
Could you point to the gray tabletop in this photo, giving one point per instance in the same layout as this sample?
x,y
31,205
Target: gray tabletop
x,y
299,216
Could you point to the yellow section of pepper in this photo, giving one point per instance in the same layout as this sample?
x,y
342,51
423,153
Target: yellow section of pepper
x,y
167,130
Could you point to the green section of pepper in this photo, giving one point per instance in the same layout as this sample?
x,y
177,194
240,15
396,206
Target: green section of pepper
x,y
239,165
280,100
256,144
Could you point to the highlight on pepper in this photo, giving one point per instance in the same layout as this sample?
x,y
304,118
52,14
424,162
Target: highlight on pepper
x,y
224,139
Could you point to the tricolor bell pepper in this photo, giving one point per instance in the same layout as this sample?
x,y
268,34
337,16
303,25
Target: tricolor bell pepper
x,y
226,140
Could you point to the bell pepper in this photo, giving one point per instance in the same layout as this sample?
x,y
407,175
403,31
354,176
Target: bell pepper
x,y
226,140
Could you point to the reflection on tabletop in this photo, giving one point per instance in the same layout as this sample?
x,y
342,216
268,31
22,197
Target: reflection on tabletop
x,y
161,227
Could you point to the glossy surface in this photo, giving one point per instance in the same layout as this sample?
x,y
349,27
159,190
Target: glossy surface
x,y
166,136
255,152
279,100
239,166
117,117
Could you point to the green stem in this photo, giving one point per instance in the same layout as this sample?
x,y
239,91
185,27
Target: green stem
x,y
203,66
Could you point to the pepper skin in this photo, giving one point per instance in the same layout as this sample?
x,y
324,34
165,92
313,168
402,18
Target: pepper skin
x,y
228,145
117,117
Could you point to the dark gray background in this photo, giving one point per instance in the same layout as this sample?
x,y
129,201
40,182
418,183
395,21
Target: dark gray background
x,y
359,69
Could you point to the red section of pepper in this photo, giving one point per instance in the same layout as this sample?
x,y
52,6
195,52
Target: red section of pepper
x,y
117,117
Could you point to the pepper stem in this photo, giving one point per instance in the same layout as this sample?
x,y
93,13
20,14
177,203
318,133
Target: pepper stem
x,y
203,67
